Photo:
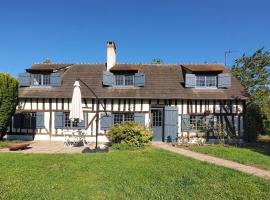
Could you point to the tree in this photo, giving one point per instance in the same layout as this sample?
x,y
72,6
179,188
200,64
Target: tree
x,y
47,61
157,61
8,101
254,74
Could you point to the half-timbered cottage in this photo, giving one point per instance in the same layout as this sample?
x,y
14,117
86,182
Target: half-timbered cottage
x,y
172,99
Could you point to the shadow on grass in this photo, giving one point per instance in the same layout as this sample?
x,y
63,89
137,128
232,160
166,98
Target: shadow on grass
x,y
98,150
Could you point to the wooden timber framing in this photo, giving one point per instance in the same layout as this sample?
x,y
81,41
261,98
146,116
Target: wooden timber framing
x,y
228,111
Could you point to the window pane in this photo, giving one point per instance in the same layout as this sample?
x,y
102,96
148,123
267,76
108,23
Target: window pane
x,y
200,81
119,80
211,81
67,122
36,79
192,122
117,118
29,120
157,118
46,79
128,79
129,117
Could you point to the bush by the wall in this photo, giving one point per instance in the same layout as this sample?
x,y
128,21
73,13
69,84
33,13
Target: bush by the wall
x,y
8,101
130,133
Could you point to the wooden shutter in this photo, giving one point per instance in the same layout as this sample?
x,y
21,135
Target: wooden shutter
x,y
139,79
40,120
190,81
56,79
17,119
24,79
224,80
185,122
107,78
106,121
140,118
58,120
171,123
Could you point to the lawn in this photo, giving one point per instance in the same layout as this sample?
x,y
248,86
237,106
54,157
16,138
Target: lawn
x,y
259,157
146,174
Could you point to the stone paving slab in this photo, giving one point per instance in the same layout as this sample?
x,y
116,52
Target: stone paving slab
x,y
218,161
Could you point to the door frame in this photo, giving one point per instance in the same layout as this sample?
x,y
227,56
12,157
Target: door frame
x,y
158,107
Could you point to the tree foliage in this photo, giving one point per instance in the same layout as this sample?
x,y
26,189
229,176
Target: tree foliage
x,y
8,100
254,74
157,61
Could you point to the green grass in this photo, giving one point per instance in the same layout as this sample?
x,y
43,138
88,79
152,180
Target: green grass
x,y
143,174
250,156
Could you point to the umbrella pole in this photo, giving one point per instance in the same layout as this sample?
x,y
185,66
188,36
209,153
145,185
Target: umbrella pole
x,y
97,123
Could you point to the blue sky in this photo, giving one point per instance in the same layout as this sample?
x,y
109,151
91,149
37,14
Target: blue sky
x,y
189,31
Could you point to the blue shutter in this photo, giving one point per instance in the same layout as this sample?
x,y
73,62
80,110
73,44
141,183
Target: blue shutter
x,y
58,120
17,120
56,79
24,79
185,122
107,78
140,118
106,121
139,79
40,120
81,125
190,80
224,80
171,123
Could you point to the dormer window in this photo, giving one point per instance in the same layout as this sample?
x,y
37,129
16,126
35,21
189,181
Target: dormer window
x,y
41,79
210,80
124,80
206,81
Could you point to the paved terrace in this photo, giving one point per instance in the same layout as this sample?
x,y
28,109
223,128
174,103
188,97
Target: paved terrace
x,y
52,147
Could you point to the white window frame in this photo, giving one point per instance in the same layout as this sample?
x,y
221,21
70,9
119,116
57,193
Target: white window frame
x,y
123,80
42,79
205,81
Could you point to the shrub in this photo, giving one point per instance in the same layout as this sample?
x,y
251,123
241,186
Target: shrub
x,y
8,100
123,147
130,133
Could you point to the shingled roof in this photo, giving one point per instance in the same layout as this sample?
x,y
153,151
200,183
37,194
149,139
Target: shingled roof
x,y
162,81
48,66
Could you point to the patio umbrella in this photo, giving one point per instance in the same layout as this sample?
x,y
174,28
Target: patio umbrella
x,y
76,112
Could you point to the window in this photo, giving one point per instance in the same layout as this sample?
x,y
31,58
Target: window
x,y
124,80
41,79
28,120
157,116
129,80
195,122
206,81
121,117
119,79
67,122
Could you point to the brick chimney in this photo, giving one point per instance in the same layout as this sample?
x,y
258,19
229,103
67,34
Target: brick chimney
x,y
111,55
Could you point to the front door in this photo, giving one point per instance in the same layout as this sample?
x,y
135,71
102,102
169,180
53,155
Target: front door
x,y
157,124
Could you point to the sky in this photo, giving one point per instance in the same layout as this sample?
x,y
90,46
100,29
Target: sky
x,y
176,31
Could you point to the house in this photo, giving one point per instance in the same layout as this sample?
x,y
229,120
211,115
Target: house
x,y
172,99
